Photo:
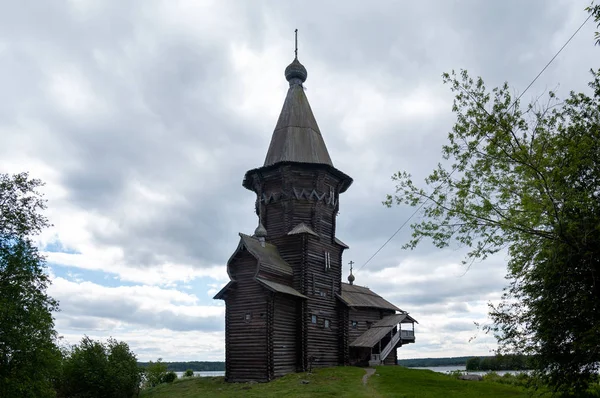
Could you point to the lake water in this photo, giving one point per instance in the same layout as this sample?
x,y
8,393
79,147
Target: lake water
x,y
440,369
447,369
203,374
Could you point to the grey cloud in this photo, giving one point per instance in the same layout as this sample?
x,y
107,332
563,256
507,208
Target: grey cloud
x,y
80,313
459,326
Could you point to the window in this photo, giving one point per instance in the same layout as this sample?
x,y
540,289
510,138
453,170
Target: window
x,y
369,323
326,325
313,319
248,316
354,324
327,261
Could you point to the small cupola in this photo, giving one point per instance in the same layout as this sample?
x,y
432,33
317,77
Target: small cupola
x,y
351,277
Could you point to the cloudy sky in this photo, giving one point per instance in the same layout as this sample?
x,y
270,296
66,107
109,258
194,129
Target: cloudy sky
x,y
143,116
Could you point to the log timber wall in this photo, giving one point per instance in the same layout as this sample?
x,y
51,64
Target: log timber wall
x,y
363,317
321,284
284,335
246,339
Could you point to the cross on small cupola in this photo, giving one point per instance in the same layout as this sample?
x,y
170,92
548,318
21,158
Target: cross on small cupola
x,y
296,73
351,277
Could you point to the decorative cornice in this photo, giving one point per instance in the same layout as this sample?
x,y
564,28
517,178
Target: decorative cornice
x,y
300,193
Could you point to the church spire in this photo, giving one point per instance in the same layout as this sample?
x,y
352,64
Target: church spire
x,y
297,137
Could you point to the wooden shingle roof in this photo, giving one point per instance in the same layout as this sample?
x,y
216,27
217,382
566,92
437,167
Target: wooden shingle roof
x,y
280,288
297,137
267,256
378,330
363,297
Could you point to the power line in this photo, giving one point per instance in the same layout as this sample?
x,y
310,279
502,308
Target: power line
x,y
454,169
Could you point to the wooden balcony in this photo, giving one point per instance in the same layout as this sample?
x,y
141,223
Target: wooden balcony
x,y
408,335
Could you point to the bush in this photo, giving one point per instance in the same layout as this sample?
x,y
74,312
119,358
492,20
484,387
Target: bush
x,y
95,369
170,377
155,373
188,373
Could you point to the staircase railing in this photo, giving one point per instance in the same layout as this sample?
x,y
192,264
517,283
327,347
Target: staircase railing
x,y
388,348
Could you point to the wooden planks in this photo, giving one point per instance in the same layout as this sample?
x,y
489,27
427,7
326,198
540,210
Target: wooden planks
x,y
246,325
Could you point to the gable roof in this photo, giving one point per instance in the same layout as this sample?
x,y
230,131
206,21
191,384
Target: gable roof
x,y
269,263
363,297
268,256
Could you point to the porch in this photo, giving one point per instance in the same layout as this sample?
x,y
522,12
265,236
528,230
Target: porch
x,y
377,343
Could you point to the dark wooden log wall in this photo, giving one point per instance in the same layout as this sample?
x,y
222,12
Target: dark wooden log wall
x,y
321,286
292,248
282,210
284,335
344,350
246,340
362,316
287,196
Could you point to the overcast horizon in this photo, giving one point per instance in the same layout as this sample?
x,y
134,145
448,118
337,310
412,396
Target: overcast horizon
x,y
142,117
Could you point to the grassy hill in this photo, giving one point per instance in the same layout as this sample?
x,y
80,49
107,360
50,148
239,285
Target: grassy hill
x,y
393,381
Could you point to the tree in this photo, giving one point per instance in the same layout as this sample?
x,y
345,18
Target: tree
x,y
473,363
103,370
188,373
526,181
29,356
155,373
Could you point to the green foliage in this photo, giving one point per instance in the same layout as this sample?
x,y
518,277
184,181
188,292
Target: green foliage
x,y
519,379
500,362
594,10
29,356
94,369
473,363
170,377
526,181
155,373
188,373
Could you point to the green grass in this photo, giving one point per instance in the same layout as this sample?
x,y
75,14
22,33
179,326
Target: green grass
x,y
409,383
392,381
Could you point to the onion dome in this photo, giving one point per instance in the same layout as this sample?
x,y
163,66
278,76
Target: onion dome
x,y
260,231
296,73
351,279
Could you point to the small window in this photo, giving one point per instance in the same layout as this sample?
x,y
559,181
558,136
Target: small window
x,y
327,261
323,293
326,325
369,323
313,319
354,324
248,316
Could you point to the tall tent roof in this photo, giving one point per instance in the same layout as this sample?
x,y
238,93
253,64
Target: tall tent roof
x,y
297,137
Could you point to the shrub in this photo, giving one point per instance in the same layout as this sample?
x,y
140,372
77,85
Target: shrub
x,y
188,373
170,377
155,373
95,369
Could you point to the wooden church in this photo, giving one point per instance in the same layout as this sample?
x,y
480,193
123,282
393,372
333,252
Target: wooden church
x,y
287,309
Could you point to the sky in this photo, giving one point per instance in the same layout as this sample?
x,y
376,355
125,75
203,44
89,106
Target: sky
x,y
142,117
